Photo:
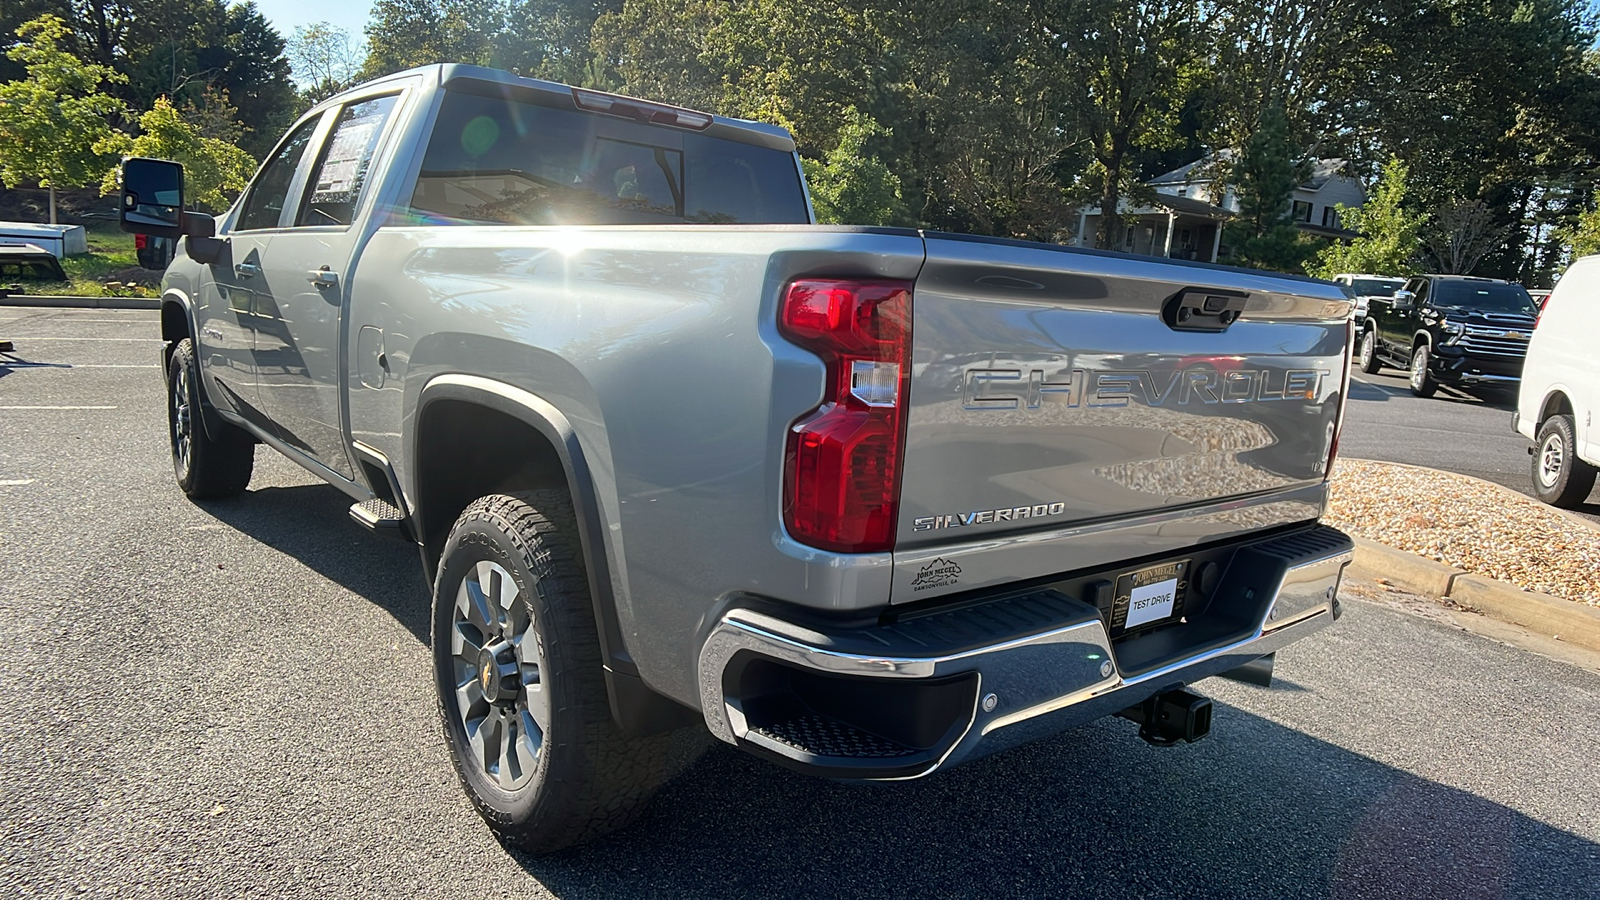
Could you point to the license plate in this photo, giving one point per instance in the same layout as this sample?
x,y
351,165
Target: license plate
x,y
1149,596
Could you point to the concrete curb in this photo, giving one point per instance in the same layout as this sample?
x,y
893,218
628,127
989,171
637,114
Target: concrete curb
x,y
38,300
1571,621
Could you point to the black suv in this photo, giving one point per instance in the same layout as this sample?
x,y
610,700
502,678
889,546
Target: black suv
x,y
1450,329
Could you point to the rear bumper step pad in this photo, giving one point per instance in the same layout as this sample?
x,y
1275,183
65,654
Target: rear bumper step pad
x,y
903,699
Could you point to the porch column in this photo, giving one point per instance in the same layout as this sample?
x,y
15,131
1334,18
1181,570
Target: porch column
x,y
1172,222
1216,242
1083,228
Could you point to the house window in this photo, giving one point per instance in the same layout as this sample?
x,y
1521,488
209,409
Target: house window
x,y
1302,211
1130,237
1330,217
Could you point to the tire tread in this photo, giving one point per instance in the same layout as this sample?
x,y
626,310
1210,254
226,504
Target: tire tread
x,y
605,779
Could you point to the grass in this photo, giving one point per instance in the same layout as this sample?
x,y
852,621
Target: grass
x,y
110,252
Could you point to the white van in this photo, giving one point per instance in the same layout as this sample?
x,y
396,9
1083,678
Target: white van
x,y
1560,387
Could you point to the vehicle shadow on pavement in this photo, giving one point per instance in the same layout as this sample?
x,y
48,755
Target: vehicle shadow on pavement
x,y
312,524
1257,810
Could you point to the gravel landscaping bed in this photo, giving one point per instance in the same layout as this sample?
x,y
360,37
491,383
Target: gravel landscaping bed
x,y
1474,526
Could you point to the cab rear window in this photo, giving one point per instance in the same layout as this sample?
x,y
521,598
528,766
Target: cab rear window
x,y
494,159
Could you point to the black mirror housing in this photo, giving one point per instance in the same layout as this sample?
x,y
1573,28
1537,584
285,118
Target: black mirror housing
x,y
152,197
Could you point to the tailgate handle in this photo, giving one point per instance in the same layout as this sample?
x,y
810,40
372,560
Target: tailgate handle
x,y
1203,309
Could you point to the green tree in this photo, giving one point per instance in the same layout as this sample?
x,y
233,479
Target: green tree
x,y
51,122
1133,64
182,48
323,60
1582,237
1389,243
213,171
1265,174
851,187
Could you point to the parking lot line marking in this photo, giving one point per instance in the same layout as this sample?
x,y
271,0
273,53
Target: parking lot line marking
x,y
39,365
57,407
35,337
39,320
15,482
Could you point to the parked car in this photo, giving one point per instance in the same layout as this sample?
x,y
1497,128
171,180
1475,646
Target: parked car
x,y
1364,287
863,502
154,252
1450,329
1561,387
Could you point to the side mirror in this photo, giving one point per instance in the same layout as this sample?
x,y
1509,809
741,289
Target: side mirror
x,y
1404,299
152,197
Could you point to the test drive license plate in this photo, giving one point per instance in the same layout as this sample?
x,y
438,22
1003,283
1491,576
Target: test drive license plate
x,y
1149,596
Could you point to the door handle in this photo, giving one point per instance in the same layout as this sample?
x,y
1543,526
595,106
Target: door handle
x,y
323,278
247,270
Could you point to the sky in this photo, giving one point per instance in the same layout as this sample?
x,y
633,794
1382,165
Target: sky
x,y
351,15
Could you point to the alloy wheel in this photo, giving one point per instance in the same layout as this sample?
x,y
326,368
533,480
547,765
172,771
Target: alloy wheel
x,y
500,697
1552,457
182,421
1419,367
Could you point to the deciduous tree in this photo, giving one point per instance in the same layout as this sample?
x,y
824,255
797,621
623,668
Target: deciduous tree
x,y
213,171
52,121
324,59
1132,65
1389,242
850,186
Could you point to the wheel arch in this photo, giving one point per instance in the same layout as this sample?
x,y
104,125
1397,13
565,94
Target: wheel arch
x,y
178,322
1555,403
521,442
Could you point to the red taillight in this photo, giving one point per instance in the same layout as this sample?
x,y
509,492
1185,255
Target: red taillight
x,y
842,466
139,241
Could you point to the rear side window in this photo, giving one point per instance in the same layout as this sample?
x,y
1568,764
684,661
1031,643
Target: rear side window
x,y
341,173
501,160
264,206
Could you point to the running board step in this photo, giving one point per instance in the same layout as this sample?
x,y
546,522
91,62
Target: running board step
x,y
381,517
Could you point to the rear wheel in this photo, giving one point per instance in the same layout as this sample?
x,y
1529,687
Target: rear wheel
x,y
205,466
521,693
1560,478
1370,363
1422,383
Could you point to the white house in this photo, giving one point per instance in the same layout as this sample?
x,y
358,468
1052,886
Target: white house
x,y
1192,203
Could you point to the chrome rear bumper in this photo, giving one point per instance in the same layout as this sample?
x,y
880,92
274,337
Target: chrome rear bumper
x,y
1006,672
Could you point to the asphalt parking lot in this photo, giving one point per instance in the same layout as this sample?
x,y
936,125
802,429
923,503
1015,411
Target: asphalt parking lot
x,y
1454,430
234,699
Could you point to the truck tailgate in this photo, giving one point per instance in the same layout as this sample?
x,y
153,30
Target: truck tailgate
x,y
1051,388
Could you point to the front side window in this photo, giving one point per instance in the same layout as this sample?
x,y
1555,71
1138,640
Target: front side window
x,y
342,171
497,159
264,206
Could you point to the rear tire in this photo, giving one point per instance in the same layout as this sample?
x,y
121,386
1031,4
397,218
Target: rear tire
x,y
522,698
1560,478
1422,383
205,468
1370,363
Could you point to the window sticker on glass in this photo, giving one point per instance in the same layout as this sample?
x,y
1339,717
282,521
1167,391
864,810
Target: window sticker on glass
x,y
343,170
339,173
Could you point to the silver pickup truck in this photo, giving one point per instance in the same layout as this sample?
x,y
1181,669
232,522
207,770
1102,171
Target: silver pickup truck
x,y
864,502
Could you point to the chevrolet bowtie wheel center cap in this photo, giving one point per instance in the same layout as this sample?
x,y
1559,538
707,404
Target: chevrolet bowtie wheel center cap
x,y
499,673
